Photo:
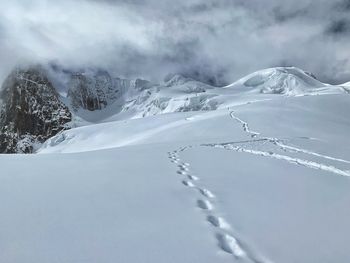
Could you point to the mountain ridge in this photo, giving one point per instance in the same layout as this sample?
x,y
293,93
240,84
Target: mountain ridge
x,y
94,96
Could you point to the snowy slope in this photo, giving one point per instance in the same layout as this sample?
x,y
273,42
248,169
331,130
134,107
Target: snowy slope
x,y
288,81
181,94
262,178
139,98
270,173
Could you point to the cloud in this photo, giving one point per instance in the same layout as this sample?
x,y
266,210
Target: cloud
x,y
214,41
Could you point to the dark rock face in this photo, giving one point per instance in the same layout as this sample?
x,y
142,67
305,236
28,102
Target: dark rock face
x,y
95,89
91,90
31,111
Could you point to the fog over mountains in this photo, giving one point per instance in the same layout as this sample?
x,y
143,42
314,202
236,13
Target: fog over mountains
x,y
216,42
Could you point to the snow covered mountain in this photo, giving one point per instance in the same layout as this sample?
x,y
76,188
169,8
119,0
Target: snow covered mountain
x,y
31,111
91,91
140,98
287,81
93,96
257,171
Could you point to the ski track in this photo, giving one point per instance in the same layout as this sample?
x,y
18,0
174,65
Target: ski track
x,y
284,147
297,161
226,241
299,150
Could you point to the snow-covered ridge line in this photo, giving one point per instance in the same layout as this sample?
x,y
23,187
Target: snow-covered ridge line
x,y
289,81
125,99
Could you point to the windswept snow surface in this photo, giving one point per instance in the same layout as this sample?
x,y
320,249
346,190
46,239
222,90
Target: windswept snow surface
x,y
263,178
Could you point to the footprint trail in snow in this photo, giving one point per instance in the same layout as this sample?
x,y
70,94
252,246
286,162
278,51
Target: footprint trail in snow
x,y
226,241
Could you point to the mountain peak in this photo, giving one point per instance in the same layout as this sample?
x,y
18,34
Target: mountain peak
x,y
279,80
176,79
31,111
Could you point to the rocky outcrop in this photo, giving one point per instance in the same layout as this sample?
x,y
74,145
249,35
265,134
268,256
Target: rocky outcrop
x,y
95,89
92,90
31,111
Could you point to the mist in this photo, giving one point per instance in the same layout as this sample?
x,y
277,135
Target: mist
x,y
213,41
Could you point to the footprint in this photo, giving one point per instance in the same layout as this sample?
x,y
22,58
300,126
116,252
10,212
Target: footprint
x,y
192,177
204,204
183,168
188,183
230,245
218,222
206,193
181,172
186,164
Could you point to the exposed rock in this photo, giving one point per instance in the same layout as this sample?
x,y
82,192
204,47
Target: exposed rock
x,y
31,111
92,90
95,89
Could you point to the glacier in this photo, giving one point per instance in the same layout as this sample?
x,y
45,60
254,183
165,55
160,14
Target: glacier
x,y
257,171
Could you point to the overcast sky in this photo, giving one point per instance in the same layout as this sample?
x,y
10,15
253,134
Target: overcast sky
x,y
211,40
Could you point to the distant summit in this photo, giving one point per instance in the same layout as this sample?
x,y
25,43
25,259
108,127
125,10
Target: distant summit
x,y
281,80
